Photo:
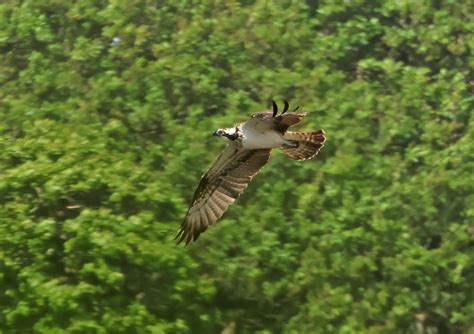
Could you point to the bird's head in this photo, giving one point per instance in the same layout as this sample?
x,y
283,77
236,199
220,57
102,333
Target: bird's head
x,y
226,133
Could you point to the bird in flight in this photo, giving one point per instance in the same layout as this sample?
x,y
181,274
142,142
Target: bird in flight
x,y
249,145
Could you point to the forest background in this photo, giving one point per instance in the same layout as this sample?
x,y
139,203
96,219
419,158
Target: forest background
x,y
106,115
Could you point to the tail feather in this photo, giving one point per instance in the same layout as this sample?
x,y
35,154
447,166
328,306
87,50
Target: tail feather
x,y
303,145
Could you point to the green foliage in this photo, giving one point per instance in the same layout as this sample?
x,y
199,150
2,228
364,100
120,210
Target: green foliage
x,y
106,111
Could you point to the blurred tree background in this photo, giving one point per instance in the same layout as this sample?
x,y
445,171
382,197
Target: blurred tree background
x,y
106,115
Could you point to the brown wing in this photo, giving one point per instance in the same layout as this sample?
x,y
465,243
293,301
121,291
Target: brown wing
x,y
220,187
281,122
286,120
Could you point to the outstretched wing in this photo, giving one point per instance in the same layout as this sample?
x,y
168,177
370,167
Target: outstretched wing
x,y
219,187
281,122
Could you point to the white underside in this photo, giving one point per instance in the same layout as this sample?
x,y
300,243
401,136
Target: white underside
x,y
257,135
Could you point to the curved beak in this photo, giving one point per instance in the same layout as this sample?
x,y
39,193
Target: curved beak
x,y
215,133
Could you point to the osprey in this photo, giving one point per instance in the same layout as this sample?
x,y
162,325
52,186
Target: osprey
x,y
248,149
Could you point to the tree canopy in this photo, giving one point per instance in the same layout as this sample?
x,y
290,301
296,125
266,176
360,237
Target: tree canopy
x,y
106,115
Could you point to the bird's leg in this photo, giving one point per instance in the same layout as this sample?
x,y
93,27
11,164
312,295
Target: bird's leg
x,y
291,144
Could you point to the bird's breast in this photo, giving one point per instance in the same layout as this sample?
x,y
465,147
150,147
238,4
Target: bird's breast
x,y
257,137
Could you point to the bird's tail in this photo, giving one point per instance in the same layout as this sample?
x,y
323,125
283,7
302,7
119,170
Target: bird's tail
x,y
303,145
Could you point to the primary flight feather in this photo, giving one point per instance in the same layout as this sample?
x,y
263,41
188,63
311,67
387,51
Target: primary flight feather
x,y
248,149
